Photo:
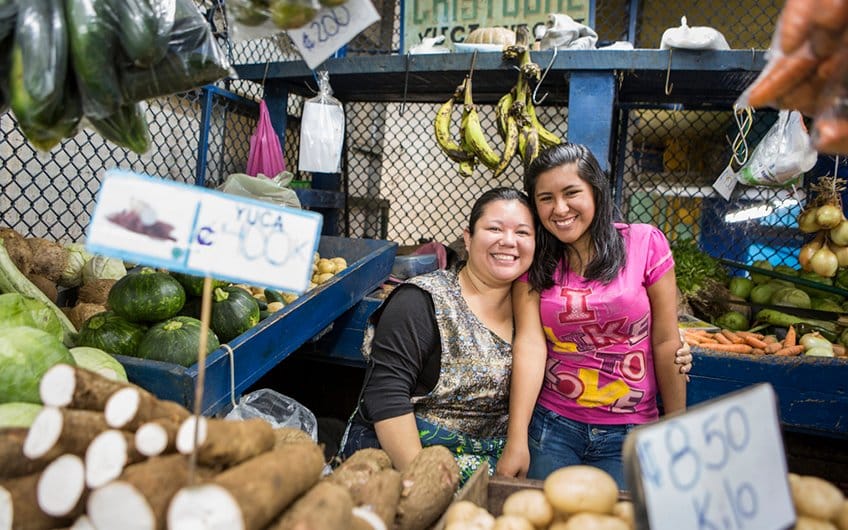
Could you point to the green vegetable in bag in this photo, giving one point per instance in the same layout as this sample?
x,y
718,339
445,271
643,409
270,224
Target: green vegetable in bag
x,y
8,15
41,95
127,128
194,59
145,27
93,42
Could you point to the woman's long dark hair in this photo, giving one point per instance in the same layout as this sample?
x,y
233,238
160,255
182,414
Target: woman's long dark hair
x,y
609,255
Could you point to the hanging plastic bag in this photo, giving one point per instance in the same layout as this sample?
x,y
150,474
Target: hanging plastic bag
x,y
257,19
277,409
273,190
322,130
693,38
783,155
266,155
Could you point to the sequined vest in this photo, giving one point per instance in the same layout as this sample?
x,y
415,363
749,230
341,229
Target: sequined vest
x,y
472,393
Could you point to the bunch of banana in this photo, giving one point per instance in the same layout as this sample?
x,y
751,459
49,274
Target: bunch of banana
x,y
472,131
444,139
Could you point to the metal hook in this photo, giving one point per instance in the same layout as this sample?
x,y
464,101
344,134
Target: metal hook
x,y
265,75
544,74
668,87
405,84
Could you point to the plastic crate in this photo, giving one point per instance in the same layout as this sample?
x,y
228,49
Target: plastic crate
x,y
262,347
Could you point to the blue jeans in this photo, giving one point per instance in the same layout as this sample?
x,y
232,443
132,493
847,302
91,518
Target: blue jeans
x,y
556,441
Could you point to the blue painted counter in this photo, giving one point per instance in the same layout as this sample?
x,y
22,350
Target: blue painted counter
x,y
812,392
261,348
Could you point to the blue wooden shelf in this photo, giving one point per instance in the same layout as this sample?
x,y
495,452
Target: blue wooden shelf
x,y
261,348
310,198
812,392
696,75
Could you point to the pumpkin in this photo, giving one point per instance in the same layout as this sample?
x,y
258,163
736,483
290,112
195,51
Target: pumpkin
x,y
491,36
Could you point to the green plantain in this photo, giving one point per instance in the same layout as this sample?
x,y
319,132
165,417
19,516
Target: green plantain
x,y
473,134
466,167
528,144
547,138
510,144
441,124
502,110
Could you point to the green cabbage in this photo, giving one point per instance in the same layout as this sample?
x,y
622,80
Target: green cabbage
x,y
99,361
103,268
18,414
77,258
25,355
18,310
789,296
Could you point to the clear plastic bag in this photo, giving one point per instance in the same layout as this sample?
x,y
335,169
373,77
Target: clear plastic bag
x,y
273,190
266,154
693,38
782,155
277,409
256,19
322,130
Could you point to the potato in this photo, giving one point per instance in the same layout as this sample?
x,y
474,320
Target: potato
x,y
841,519
581,488
326,266
273,307
816,497
513,522
461,511
341,263
531,505
322,278
810,523
465,515
625,511
429,483
592,521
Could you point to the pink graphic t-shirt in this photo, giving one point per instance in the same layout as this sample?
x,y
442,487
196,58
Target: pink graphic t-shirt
x,y
600,365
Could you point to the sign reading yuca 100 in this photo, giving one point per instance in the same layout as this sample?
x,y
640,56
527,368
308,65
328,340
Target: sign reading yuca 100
x,y
455,19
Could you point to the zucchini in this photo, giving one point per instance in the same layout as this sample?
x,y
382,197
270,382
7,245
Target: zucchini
x,y
126,128
145,27
784,320
272,295
802,328
12,281
93,41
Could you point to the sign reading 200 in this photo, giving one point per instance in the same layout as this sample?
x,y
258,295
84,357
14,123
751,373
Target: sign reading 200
x,y
326,26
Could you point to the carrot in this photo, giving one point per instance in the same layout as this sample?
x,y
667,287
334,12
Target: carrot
x,y
773,347
744,334
722,338
758,351
769,339
729,348
700,332
790,351
781,74
838,350
791,338
710,340
831,135
732,336
691,341
803,97
756,343
830,14
795,22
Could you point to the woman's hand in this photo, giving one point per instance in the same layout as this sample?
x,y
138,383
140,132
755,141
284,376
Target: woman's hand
x,y
683,358
514,461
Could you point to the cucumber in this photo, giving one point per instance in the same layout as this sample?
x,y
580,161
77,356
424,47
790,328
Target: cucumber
x,y
93,41
145,27
784,320
272,295
126,128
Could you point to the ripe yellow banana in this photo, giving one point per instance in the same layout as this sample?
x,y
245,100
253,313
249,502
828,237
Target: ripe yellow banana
x,y
510,144
547,138
441,125
472,132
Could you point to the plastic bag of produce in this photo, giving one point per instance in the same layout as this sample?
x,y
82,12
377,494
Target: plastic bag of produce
x,y
127,127
8,15
256,19
322,130
145,28
274,190
782,155
266,155
193,59
42,95
276,409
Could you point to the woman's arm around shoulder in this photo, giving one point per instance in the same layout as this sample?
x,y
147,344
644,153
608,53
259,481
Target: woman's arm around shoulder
x,y
529,354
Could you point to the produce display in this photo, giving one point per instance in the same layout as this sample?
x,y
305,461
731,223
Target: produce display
x,y
90,457
808,70
518,125
72,59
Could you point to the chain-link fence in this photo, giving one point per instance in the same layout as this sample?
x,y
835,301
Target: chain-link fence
x,y
397,183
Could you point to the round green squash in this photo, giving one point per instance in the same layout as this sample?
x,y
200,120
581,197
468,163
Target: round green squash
x,y
147,296
193,285
111,333
234,311
176,340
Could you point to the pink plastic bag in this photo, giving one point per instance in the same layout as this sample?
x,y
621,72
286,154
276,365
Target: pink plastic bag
x,y
266,155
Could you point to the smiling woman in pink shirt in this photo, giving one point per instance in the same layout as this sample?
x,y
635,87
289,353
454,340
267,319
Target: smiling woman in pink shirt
x,y
595,322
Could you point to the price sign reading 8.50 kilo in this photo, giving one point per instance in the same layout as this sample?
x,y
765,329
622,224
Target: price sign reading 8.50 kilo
x,y
719,466
332,28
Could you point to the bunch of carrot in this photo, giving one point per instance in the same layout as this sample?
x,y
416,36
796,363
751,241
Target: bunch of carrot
x,y
727,341
810,72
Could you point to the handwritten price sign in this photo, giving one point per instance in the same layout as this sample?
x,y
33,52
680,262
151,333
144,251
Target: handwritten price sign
x,y
720,466
198,231
332,28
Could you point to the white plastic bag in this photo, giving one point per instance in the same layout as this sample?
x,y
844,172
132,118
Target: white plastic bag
x,y
322,130
273,190
276,409
693,38
784,153
563,32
